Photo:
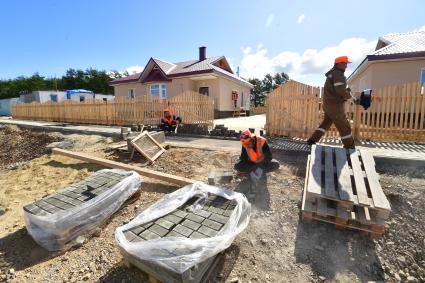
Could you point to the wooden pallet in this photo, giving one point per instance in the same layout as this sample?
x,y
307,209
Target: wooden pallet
x,y
342,188
348,178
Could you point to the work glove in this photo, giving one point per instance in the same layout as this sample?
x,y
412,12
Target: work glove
x,y
256,175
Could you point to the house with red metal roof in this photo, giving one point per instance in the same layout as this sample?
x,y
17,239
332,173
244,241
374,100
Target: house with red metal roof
x,y
209,76
397,59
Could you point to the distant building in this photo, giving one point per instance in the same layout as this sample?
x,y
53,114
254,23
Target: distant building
x,y
59,96
212,77
5,105
397,59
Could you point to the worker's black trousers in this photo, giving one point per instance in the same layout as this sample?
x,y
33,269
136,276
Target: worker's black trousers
x,y
247,167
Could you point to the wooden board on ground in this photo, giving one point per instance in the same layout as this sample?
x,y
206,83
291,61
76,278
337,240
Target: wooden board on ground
x,y
146,145
113,164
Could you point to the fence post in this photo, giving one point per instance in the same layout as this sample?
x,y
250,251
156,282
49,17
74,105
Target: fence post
x,y
357,121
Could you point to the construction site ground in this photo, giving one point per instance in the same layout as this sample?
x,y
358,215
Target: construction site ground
x,y
276,247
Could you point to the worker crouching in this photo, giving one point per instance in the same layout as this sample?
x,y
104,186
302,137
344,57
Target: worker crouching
x,y
255,154
169,122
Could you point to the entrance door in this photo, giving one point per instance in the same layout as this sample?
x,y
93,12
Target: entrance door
x,y
204,90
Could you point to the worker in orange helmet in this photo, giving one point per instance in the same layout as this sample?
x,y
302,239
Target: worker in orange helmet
x,y
169,122
335,93
255,154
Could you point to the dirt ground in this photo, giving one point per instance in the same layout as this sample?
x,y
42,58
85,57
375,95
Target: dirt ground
x,y
276,246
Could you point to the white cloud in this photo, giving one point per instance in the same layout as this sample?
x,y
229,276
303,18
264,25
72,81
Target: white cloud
x,y
269,20
301,18
133,69
422,28
308,66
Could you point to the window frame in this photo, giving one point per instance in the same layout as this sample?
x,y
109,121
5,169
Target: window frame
x,y
162,90
422,80
131,93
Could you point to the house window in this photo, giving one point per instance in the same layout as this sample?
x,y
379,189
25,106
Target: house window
x,y
131,93
422,81
54,98
105,99
204,90
158,90
82,98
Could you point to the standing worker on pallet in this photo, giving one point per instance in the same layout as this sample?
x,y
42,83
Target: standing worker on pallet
x,y
334,96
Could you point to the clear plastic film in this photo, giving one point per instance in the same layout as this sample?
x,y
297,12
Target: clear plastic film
x,y
178,254
59,231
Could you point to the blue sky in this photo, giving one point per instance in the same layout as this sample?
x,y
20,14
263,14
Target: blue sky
x,y
298,37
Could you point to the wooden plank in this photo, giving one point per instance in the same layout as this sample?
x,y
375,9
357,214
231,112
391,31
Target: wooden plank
x,y
358,178
112,164
343,176
306,206
329,173
378,196
315,177
322,206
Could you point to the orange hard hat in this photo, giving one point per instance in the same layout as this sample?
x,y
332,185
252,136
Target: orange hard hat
x,y
245,136
342,59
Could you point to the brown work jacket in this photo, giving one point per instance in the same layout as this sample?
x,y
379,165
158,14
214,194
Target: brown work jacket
x,y
335,89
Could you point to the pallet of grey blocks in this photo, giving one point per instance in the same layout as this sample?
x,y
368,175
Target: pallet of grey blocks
x,y
170,247
57,220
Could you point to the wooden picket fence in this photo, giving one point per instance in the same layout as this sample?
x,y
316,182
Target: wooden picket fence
x,y
191,106
397,113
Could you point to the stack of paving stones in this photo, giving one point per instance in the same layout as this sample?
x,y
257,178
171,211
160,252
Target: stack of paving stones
x,y
222,131
195,129
202,223
76,194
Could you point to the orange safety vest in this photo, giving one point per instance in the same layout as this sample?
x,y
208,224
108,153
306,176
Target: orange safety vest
x,y
256,156
168,120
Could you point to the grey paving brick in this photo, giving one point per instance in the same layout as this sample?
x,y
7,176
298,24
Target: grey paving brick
x,y
147,225
173,218
129,235
194,217
216,210
180,213
174,234
138,239
191,224
228,212
196,235
219,218
212,224
138,230
165,223
202,212
183,230
159,230
148,235
207,231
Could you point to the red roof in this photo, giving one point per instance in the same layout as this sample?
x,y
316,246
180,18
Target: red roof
x,y
186,68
